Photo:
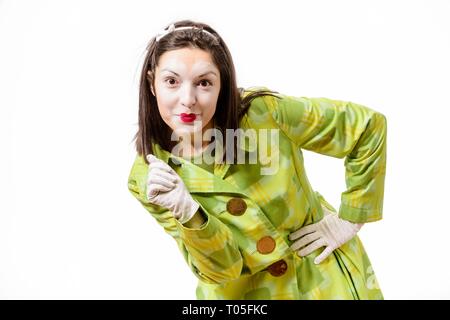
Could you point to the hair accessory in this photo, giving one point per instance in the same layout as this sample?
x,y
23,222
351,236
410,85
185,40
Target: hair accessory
x,y
172,28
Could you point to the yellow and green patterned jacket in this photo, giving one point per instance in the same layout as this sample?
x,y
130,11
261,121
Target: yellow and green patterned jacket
x,y
243,251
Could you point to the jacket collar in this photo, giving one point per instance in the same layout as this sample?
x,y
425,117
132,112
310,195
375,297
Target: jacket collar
x,y
195,178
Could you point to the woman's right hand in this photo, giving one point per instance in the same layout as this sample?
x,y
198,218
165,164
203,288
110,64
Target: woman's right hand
x,y
165,188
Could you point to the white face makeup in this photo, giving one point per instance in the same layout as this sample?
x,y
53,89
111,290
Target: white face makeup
x,y
187,86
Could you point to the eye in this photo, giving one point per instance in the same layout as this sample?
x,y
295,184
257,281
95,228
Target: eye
x,y
205,83
170,81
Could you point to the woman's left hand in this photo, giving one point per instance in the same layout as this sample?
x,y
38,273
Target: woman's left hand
x,y
330,232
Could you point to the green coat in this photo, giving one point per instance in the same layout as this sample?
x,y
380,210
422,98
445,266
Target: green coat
x,y
247,255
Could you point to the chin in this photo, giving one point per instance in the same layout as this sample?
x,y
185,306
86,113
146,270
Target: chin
x,y
183,130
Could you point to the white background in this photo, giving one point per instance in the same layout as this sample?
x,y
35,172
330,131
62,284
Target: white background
x,y
69,70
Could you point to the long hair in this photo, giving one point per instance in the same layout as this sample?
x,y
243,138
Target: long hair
x,y
230,106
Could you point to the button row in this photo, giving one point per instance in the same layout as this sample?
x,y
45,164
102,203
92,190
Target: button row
x,y
265,245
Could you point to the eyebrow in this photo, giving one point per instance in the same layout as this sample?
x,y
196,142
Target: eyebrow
x,y
203,74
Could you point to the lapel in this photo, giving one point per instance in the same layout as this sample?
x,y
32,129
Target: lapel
x,y
197,179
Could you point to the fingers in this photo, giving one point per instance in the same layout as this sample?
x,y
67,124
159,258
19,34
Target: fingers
x,y
305,240
162,175
325,253
157,179
154,163
312,247
151,158
161,166
153,190
176,215
326,211
301,232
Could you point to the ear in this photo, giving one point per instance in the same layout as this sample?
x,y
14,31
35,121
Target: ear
x,y
150,81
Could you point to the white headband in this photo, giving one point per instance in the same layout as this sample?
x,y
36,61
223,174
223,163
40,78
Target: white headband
x,y
172,29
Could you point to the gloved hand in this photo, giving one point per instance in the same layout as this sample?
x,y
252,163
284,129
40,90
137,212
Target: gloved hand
x,y
330,232
165,188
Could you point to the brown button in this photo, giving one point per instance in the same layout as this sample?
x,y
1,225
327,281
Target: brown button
x,y
236,206
278,268
265,245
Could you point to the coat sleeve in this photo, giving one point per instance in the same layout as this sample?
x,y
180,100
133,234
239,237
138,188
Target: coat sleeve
x,y
210,251
341,129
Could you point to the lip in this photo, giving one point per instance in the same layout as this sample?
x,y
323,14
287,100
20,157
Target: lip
x,y
187,117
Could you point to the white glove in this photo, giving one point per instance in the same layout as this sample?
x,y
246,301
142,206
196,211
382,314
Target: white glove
x,y
165,188
330,232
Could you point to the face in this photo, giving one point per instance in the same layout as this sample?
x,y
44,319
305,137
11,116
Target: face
x,y
187,86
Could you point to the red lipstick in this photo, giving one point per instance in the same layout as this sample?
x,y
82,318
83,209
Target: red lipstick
x,y
187,117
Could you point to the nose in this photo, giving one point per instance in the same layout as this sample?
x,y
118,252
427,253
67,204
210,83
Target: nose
x,y
188,96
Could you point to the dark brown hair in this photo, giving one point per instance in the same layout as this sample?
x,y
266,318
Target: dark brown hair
x,y
230,106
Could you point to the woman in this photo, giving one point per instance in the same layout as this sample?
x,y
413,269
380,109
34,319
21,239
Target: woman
x,y
253,229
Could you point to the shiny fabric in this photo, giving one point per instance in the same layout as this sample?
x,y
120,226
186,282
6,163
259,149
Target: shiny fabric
x,y
223,253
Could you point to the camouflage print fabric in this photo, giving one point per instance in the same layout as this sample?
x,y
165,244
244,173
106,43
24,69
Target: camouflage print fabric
x,y
224,253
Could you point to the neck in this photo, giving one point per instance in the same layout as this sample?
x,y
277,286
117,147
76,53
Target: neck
x,y
193,145
192,150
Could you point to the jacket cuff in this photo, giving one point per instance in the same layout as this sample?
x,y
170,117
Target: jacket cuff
x,y
359,215
206,230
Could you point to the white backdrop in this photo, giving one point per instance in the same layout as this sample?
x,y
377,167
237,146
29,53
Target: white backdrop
x,y
69,70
